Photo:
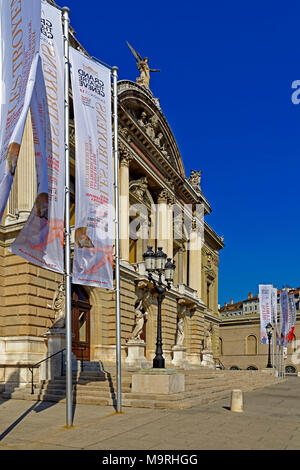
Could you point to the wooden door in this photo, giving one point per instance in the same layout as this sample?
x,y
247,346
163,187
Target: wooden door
x,y
80,323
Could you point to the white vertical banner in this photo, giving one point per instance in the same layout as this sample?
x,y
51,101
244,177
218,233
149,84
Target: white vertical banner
x,y
284,317
19,52
265,307
274,309
291,316
41,240
93,248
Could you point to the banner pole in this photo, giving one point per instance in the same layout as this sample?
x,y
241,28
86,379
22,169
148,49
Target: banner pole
x,y
273,344
117,241
66,21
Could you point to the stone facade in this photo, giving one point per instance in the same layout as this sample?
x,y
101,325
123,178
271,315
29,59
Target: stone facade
x,y
152,176
239,339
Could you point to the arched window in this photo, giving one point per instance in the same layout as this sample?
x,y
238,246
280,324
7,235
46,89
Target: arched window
x,y
234,368
252,368
251,345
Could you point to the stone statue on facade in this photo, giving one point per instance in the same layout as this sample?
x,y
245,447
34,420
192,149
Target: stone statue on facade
x,y
140,314
195,179
158,139
208,338
180,330
143,119
142,65
58,305
207,353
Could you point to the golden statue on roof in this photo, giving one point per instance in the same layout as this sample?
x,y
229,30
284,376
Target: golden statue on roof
x,y
142,65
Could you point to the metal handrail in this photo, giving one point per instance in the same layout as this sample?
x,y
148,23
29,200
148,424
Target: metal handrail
x,y
221,364
40,362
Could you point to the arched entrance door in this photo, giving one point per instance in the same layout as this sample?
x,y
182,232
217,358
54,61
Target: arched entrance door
x,y
80,323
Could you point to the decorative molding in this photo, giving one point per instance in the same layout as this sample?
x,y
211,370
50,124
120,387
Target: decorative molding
x,y
123,131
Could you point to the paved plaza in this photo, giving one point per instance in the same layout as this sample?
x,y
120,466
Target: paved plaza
x,y
270,421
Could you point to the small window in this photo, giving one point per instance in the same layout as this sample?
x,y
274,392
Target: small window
x,y
290,370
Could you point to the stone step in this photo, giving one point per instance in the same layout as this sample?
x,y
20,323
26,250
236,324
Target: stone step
x,y
98,387
80,389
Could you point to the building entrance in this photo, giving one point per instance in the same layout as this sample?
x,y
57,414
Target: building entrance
x,y
81,309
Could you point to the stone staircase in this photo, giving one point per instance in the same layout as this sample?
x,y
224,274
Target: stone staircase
x,y
93,384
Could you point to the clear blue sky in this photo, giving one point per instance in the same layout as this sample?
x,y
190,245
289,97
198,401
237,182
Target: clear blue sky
x,y
225,88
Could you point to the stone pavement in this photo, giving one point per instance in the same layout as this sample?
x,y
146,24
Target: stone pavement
x,y
270,421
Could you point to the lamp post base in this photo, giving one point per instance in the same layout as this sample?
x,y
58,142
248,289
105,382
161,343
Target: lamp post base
x,y
158,363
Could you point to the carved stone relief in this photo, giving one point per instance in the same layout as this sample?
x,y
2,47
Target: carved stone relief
x,y
138,188
195,180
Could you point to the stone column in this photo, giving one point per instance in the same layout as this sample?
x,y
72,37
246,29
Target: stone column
x,y
26,173
181,265
23,193
125,159
163,221
170,228
195,259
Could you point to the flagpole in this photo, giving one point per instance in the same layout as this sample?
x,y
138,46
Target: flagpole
x,y
66,21
117,239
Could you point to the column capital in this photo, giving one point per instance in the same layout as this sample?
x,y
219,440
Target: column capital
x,y
163,196
125,155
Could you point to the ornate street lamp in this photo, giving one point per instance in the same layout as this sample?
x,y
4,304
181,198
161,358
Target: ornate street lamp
x,y
158,262
269,330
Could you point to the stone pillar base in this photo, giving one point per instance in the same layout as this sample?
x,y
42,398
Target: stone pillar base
x,y
136,354
56,342
207,359
158,381
179,359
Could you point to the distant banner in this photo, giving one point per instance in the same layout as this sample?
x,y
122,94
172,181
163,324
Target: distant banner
x,y
284,317
265,307
41,240
274,311
292,317
93,248
19,52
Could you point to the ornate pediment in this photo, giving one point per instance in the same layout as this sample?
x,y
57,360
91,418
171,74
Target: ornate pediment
x,y
148,126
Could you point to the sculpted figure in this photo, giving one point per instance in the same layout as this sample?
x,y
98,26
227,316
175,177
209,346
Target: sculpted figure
x,y
140,314
58,305
158,139
208,338
180,330
150,130
142,65
143,119
195,178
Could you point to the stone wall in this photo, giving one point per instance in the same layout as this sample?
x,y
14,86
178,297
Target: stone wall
x,y
236,352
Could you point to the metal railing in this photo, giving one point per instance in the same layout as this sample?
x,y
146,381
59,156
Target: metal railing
x,y
44,360
220,364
